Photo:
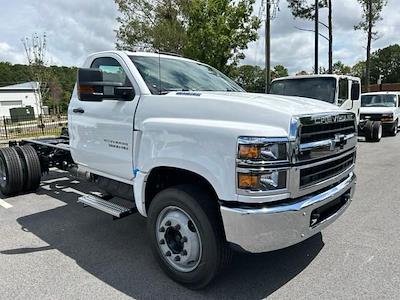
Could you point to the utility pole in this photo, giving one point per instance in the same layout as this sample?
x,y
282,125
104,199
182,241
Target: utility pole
x,y
316,35
268,46
330,37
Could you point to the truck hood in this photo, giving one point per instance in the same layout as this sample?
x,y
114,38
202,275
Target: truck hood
x,y
254,114
284,104
377,110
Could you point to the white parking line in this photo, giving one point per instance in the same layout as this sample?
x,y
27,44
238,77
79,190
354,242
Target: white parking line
x,y
5,204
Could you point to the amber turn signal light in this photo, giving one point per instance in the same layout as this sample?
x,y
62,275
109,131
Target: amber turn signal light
x,y
247,181
85,89
249,152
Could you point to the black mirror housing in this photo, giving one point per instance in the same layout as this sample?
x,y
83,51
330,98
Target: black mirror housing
x,y
87,91
355,91
91,87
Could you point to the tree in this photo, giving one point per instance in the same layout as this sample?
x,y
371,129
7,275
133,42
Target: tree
x,y
212,31
359,70
55,94
279,71
151,23
36,55
251,78
301,9
340,68
371,15
302,73
66,76
219,30
386,63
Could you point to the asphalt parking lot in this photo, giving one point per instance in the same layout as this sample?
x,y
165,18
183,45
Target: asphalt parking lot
x,y
52,248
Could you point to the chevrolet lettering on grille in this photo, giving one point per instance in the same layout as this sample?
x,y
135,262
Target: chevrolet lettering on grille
x,y
332,119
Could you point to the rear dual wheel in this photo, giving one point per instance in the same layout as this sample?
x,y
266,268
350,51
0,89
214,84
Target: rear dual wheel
x,y
19,170
11,172
31,166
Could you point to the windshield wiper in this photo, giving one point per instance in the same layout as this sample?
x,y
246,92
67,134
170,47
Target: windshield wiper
x,y
166,91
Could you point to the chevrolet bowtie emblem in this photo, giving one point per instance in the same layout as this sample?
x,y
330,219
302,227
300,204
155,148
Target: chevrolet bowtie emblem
x,y
340,140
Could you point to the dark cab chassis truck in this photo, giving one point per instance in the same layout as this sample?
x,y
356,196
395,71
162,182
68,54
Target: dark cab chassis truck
x,y
213,168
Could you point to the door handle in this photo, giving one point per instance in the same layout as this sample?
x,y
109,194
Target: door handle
x,y
78,110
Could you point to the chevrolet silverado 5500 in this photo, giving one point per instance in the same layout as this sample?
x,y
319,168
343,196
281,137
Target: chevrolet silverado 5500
x,y
213,168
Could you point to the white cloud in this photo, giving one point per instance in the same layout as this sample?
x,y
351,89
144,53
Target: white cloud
x,y
76,28
8,53
295,49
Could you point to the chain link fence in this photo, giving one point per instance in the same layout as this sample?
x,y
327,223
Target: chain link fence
x,y
30,127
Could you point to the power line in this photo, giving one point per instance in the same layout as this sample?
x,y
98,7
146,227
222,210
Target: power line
x,y
274,9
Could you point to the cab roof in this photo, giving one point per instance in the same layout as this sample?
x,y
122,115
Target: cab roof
x,y
318,76
149,54
381,93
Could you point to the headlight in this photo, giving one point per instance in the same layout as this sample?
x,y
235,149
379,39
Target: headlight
x,y
262,149
262,164
387,117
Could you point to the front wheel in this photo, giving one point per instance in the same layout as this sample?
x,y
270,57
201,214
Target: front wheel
x,y
373,131
377,131
395,128
186,235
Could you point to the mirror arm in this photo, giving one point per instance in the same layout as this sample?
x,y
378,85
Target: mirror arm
x,y
101,83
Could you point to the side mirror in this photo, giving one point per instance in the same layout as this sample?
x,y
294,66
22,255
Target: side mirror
x,y
92,87
355,91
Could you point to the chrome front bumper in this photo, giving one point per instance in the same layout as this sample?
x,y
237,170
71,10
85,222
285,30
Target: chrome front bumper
x,y
277,226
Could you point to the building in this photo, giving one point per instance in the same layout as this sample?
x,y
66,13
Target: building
x,y
20,95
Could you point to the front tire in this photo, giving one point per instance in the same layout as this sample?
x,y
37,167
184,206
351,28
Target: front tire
x,y
395,129
377,131
186,235
373,131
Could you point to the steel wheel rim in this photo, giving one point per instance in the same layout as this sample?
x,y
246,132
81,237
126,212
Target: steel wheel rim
x,y
380,132
178,239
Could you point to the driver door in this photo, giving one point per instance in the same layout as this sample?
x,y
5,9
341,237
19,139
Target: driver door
x,y
101,132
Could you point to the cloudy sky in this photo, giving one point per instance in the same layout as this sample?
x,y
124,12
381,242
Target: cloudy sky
x,y
78,27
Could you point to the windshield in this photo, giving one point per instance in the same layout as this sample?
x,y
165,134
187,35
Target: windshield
x,y
315,88
378,100
181,75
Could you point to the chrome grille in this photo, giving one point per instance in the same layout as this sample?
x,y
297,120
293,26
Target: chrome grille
x,y
321,172
325,135
320,132
372,117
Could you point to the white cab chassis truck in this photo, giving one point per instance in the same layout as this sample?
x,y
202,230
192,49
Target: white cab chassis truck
x,y
341,90
213,168
379,114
